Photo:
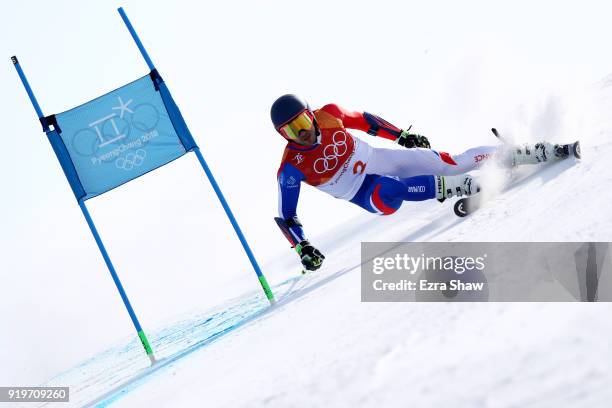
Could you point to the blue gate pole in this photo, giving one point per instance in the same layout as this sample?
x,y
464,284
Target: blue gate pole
x,y
141,334
262,279
113,272
130,28
26,85
230,215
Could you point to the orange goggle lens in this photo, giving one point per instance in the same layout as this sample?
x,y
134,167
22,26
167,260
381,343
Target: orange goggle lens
x,y
303,121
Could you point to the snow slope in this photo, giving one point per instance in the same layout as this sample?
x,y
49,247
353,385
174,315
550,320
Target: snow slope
x,y
321,346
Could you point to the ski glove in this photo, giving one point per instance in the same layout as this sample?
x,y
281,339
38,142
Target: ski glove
x,y
410,140
311,257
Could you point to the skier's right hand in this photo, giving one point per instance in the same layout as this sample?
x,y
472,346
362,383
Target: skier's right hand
x,y
411,140
311,257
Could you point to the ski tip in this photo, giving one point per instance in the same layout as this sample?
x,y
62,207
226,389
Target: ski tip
x,y
495,132
576,150
14,59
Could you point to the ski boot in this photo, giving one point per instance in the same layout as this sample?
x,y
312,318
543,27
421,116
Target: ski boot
x,y
543,152
455,186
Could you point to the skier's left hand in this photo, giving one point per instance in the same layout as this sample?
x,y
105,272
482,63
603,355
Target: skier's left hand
x,y
311,257
411,140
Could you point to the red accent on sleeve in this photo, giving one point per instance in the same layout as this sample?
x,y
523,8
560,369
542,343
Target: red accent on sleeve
x,y
350,119
447,158
356,120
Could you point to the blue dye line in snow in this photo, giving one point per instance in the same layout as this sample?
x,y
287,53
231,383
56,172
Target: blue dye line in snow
x,y
147,373
237,313
257,307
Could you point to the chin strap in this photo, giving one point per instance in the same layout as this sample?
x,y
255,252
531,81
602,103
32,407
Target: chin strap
x,y
317,130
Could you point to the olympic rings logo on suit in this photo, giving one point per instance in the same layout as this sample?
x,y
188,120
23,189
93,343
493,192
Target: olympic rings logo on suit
x,y
131,160
331,152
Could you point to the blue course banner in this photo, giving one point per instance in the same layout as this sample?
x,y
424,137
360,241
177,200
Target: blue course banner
x,y
119,136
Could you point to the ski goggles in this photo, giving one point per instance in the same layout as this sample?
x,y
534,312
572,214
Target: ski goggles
x,y
304,121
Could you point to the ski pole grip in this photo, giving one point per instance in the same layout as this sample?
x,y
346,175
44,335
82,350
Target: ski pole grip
x,y
14,59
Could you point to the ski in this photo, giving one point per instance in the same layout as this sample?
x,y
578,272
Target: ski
x,y
566,150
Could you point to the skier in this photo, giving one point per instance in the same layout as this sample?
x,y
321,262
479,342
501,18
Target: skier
x,y
321,152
